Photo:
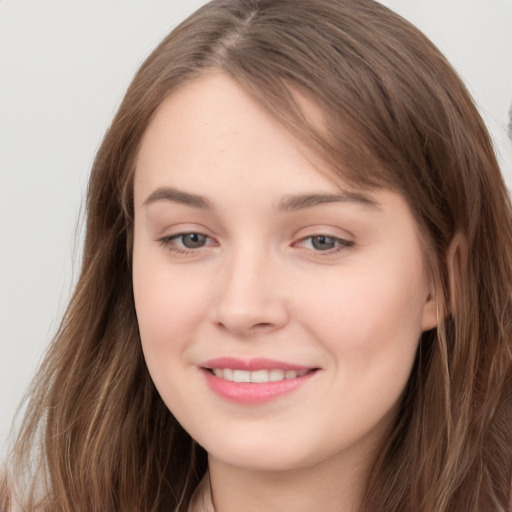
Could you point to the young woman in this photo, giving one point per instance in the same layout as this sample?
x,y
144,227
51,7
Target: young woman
x,y
296,283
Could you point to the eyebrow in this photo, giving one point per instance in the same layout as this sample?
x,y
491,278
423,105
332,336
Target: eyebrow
x,y
178,196
303,201
288,204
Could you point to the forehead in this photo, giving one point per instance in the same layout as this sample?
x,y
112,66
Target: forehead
x,y
210,127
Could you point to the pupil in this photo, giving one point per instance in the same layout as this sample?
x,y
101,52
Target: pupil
x,y
323,243
194,240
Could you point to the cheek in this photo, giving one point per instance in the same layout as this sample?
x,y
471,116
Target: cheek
x,y
370,325
169,311
168,306
370,315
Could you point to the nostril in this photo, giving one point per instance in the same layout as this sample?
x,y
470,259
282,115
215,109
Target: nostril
x,y
247,314
261,325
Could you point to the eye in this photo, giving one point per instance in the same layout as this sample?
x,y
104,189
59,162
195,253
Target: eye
x,y
183,242
324,243
191,240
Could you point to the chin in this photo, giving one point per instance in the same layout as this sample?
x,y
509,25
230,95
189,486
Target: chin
x,y
265,455
256,460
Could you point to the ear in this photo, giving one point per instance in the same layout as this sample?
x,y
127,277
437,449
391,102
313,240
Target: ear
x,y
455,261
456,258
430,317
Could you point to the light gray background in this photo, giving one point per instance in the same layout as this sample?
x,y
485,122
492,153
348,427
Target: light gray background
x,y
64,66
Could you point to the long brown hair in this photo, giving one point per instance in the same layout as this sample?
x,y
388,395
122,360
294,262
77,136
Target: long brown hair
x,y
97,436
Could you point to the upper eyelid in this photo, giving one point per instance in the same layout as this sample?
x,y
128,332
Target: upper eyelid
x,y
336,228
184,233
184,228
179,248
328,231
326,235
344,241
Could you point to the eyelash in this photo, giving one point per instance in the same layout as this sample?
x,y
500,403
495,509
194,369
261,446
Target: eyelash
x,y
169,242
341,244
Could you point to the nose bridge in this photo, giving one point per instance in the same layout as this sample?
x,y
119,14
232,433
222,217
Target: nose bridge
x,y
248,298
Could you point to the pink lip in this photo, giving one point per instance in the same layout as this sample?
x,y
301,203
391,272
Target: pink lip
x,y
251,365
253,393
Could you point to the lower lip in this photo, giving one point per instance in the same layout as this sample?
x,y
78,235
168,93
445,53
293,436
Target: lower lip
x,y
253,393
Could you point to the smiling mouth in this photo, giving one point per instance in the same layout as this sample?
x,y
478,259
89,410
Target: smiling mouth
x,y
254,381
258,376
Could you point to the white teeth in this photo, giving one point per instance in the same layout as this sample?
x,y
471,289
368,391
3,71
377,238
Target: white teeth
x,y
241,376
275,375
258,376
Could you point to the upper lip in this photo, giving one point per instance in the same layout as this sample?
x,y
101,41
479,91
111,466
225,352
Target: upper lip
x,y
255,364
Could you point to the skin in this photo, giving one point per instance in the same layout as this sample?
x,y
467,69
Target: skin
x,y
261,287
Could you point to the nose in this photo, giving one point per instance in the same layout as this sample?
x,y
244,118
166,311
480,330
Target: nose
x,y
251,298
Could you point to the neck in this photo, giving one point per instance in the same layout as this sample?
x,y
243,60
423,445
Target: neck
x,y
332,485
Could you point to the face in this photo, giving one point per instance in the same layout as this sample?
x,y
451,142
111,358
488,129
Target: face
x,y
279,312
